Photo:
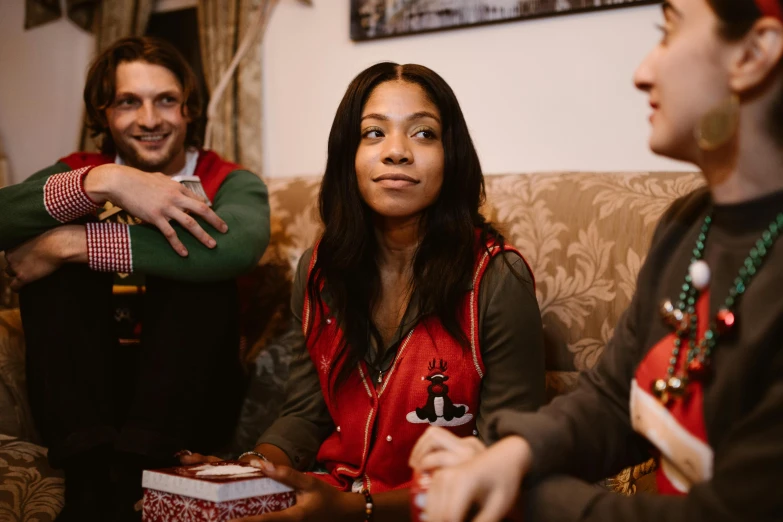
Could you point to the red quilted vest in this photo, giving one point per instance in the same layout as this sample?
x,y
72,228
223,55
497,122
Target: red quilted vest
x,y
432,381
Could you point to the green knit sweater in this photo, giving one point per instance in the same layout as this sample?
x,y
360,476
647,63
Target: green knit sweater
x,y
241,201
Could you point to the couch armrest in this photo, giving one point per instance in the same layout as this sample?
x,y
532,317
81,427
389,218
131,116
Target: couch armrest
x,y
15,417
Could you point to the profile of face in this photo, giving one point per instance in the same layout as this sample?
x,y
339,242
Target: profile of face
x,y
146,118
400,158
685,76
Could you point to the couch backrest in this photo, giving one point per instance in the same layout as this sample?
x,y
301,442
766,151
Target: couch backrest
x,y
585,234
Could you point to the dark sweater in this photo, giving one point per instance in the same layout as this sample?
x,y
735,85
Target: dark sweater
x,y
587,434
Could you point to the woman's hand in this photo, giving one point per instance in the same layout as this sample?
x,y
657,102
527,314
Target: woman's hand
x,y
489,482
439,448
315,499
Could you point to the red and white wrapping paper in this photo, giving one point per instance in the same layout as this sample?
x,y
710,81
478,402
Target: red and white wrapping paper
x,y
178,495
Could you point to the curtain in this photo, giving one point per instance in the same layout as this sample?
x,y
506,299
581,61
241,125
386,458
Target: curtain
x,y
4,177
234,115
115,19
120,18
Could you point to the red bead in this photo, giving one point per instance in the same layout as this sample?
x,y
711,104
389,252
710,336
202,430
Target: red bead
x,y
725,320
697,369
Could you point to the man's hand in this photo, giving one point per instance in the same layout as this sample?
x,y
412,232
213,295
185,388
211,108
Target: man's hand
x,y
316,500
155,199
439,448
42,255
491,482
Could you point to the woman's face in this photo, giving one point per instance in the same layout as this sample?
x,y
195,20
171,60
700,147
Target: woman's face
x,y
399,162
685,76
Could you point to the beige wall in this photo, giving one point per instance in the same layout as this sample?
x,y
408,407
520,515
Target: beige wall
x,y
547,94
41,79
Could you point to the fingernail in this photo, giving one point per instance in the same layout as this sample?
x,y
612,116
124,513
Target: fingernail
x,y
211,243
224,228
183,452
183,253
263,465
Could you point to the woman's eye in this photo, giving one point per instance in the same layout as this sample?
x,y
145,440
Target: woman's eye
x,y
372,133
425,133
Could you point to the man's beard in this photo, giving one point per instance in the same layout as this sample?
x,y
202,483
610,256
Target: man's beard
x,y
134,159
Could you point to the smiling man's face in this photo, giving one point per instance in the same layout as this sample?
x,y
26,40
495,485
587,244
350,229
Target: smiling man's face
x,y
146,118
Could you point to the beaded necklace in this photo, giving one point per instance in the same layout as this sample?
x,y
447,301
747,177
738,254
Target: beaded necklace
x,y
684,319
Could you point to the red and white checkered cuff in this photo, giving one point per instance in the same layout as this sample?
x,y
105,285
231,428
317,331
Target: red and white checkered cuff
x,y
109,247
65,198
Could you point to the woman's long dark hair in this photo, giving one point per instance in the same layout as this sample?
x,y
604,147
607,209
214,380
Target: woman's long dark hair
x,y
346,264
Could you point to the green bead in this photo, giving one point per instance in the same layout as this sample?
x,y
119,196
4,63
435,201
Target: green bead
x,y
688,279
673,360
708,334
741,288
729,302
752,271
766,236
686,287
691,301
754,252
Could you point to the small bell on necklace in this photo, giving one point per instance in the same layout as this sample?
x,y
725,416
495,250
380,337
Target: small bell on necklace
x,y
725,320
659,387
667,309
674,317
675,386
700,274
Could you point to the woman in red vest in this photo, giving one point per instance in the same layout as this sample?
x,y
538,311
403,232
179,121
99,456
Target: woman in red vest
x,y
411,311
694,373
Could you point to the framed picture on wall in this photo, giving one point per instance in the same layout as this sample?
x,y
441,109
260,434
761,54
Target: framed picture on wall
x,y
372,19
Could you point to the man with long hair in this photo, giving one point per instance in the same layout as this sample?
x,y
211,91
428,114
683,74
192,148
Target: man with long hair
x,y
125,262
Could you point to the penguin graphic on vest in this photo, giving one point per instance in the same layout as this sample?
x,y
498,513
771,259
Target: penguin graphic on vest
x,y
438,403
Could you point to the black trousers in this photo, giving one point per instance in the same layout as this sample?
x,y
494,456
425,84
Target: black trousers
x,y
180,388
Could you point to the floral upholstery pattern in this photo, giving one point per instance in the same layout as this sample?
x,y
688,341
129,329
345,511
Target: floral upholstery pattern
x,y
30,491
585,235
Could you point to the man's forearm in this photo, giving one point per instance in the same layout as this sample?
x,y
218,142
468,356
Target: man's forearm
x,y
72,241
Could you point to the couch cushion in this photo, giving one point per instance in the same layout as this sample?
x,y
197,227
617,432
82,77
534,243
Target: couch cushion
x,y
29,489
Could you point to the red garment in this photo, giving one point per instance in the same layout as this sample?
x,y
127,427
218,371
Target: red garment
x,y
432,381
210,168
678,432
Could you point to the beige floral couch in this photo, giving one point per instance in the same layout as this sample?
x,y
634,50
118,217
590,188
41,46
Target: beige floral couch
x,y
584,234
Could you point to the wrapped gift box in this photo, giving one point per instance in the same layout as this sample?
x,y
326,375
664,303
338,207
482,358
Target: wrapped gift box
x,y
211,493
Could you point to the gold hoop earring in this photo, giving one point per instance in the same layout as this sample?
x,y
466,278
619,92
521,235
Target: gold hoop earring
x,y
719,125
